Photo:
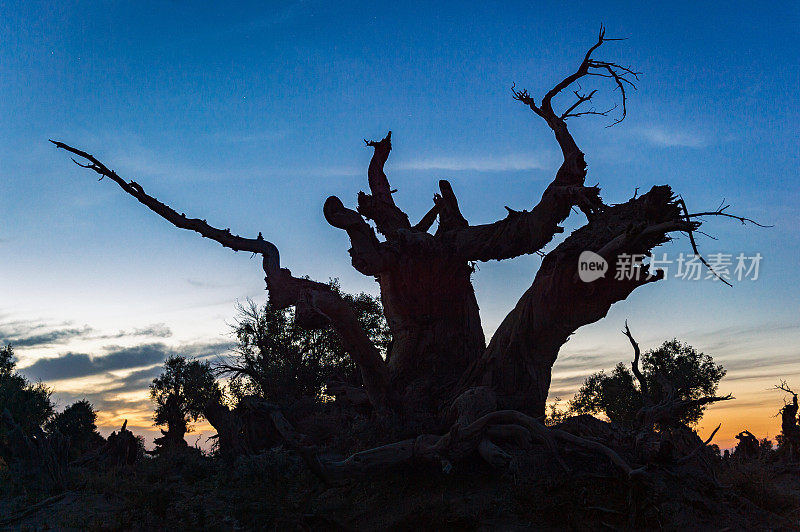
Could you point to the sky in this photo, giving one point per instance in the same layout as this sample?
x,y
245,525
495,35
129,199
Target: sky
x,y
250,114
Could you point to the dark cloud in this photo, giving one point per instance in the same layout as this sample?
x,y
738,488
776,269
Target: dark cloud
x,y
107,398
137,380
74,365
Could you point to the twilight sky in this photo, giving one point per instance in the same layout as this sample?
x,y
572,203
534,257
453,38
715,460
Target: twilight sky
x,y
251,114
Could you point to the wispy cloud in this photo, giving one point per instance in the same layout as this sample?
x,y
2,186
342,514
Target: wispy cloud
x,y
670,138
58,336
39,334
156,330
486,163
259,137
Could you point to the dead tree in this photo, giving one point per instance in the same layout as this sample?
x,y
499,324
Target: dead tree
x,y
121,449
663,408
790,428
439,351
748,447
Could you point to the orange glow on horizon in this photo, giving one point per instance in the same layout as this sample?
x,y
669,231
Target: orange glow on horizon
x,y
754,408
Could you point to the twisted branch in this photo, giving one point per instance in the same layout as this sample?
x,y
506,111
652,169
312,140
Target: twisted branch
x,y
237,243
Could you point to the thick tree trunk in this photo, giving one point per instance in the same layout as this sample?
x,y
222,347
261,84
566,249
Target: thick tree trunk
x,y
427,294
518,362
432,312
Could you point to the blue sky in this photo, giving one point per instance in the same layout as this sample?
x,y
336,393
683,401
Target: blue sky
x,y
250,115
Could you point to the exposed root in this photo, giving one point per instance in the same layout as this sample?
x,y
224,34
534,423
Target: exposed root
x,y
483,436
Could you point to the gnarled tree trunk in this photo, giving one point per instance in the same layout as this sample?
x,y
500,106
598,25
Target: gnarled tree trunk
x,y
438,349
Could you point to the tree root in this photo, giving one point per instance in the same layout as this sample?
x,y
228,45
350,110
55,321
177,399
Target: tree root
x,y
483,436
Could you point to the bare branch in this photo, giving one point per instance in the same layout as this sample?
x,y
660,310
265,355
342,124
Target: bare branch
x,y
427,221
784,387
224,237
528,232
719,212
581,98
701,446
635,365
690,232
314,300
621,75
379,205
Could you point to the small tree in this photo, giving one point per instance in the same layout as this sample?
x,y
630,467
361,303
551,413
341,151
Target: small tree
x,y
615,395
789,438
675,369
7,362
78,423
29,403
279,359
24,409
180,393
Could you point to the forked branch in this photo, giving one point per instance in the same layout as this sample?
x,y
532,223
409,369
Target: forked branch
x,y
783,386
623,77
379,205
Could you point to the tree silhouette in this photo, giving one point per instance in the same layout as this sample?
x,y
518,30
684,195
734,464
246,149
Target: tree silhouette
x,y
674,367
25,447
789,438
181,393
28,403
78,423
439,363
281,361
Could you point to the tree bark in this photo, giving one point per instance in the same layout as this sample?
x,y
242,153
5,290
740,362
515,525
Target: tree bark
x,y
518,362
426,290
432,312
